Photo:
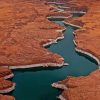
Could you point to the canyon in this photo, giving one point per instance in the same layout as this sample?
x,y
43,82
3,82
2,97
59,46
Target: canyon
x,y
25,31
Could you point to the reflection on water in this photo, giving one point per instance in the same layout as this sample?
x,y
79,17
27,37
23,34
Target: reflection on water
x,y
35,84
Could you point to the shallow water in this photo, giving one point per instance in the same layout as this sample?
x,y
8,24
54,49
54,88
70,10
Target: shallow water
x,y
35,84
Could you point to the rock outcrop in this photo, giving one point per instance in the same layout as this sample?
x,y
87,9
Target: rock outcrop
x,y
6,86
80,88
24,30
6,97
5,73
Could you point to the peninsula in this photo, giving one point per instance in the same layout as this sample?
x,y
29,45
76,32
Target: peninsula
x,y
5,85
24,32
22,37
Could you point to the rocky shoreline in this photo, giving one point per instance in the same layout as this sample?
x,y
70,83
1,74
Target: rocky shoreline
x,y
38,65
6,97
76,26
9,76
53,41
9,89
89,54
5,85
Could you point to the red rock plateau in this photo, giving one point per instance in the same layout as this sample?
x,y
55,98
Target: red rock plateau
x,y
5,97
24,29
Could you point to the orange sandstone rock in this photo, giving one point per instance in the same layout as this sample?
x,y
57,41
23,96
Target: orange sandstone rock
x,y
81,88
6,86
6,97
24,30
5,73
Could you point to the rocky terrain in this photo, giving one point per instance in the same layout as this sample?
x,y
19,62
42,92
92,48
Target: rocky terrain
x,y
80,88
5,85
5,97
24,30
5,73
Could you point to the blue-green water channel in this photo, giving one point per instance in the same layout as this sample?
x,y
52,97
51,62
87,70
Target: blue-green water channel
x,y
35,84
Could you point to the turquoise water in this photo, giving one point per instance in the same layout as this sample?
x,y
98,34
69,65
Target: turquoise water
x,y
35,84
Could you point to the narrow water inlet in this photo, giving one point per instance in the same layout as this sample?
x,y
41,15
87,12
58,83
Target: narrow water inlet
x,y
35,84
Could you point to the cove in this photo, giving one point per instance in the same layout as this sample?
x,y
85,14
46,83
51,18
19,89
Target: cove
x,y
35,84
